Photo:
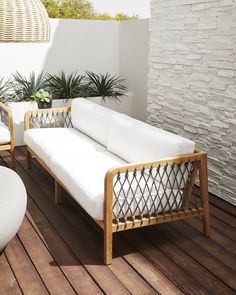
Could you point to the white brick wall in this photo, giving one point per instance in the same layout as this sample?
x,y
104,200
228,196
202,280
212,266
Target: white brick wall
x,y
192,80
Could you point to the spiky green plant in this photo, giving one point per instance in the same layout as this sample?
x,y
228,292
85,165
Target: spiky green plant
x,y
25,87
105,85
5,90
64,86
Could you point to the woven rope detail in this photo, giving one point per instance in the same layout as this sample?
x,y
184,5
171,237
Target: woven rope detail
x,y
23,21
152,192
50,120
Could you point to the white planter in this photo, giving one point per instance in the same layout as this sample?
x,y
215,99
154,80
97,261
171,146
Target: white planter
x,y
61,103
20,108
18,111
125,106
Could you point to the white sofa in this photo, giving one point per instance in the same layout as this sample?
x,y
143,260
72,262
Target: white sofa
x,y
81,157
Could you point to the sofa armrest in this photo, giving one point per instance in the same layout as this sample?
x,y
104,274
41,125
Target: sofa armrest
x,y
6,118
153,192
48,118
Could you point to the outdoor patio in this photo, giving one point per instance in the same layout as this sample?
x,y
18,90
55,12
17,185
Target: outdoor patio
x,y
58,249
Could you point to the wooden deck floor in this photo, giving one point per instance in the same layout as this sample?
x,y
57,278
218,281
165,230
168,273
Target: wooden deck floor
x,y
58,250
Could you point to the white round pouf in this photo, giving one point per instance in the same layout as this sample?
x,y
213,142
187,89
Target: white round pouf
x,y
13,200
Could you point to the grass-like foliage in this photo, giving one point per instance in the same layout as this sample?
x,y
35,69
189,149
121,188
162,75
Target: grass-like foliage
x,y
105,85
25,88
5,90
64,86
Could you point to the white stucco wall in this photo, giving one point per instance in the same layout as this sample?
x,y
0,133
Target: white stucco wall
x,y
192,80
78,45
133,55
74,45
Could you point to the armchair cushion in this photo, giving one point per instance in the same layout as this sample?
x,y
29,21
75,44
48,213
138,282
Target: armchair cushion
x,y
5,136
91,119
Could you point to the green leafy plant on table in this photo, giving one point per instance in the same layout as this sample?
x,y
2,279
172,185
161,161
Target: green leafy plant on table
x,y
43,99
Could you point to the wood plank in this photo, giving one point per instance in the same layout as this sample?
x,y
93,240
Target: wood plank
x,y
186,262
107,281
26,274
48,269
8,283
223,216
204,258
207,244
224,228
69,264
159,281
219,203
173,271
215,236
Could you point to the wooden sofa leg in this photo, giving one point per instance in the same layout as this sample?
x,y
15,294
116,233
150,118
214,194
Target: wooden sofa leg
x,y
13,160
107,246
29,160
58,193
204,194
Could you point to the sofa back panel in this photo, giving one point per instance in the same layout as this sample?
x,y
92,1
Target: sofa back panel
x,y
135,141
92,119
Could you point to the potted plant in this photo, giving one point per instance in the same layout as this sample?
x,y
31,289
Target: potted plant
x,y
24,87
66,87
43,99
105,86
109,91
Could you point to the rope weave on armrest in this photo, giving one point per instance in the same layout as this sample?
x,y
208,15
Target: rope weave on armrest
x,y
50,119
154,191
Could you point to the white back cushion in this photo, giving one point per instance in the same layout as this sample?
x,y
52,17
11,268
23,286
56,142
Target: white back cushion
x,y
5,136
91,119
135,141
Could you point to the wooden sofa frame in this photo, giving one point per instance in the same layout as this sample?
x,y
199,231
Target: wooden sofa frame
x,y
191,206
7,119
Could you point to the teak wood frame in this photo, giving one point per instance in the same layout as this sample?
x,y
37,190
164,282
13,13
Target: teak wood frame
x,y
109,225
9,146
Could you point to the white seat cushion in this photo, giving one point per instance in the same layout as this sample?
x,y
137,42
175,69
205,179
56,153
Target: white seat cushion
x,y
136,141
5,136
92,119
46,142
83,176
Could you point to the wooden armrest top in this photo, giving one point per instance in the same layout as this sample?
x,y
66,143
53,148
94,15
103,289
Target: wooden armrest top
x,y
196,156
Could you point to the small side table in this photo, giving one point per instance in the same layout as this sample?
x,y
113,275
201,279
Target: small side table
x,y
13,200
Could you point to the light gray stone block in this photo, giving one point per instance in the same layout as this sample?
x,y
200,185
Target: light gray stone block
x,y
192,81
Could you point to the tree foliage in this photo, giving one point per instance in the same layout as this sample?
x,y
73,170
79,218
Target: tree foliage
x,y
78,9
